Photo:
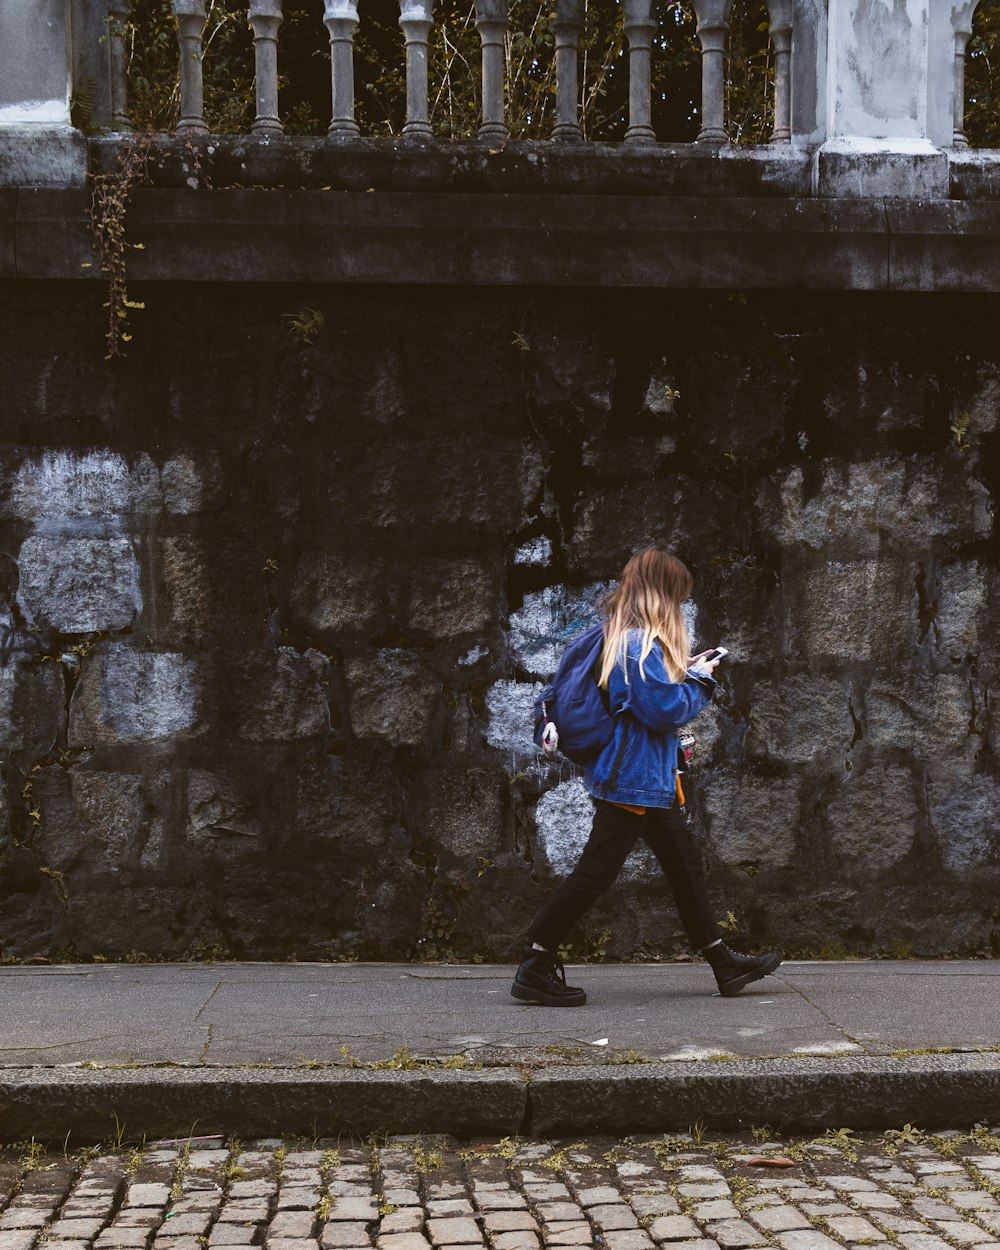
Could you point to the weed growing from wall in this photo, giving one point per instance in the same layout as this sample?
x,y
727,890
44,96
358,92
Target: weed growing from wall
x,y
108,211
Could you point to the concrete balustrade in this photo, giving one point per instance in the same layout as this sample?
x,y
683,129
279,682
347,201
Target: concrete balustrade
x,y
713,27
872,89
567,25
265,19
341,19
780,13
190,34
640,26
491,22
416,19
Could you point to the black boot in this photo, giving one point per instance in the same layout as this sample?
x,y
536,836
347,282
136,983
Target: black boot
x,y
541,979
734,970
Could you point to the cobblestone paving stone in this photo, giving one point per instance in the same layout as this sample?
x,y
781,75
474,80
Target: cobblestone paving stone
x,y
902,1189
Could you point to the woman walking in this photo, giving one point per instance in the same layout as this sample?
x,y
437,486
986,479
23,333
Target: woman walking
x,y
654,687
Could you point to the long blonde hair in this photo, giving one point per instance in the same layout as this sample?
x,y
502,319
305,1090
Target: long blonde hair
x,y
648,597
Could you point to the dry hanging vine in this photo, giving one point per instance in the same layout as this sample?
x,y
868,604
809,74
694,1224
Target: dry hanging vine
x,y
108,210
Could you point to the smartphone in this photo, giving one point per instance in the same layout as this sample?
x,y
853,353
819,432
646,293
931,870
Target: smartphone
x,y
715,654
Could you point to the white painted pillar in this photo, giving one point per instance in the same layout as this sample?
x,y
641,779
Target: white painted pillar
x,y
882,59
38,146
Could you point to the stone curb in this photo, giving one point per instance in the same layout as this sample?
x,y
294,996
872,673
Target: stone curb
x,y
863,1092
173,1102
800,1094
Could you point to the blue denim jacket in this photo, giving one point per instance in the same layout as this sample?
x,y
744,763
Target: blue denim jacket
x,y
648,714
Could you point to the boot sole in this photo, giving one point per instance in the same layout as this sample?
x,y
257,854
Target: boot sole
x,y
539,998
732,988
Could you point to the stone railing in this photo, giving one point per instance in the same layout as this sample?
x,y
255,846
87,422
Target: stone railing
x,y
874,90
416,21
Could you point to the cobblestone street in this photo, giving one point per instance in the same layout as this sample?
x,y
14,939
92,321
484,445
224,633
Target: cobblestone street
x,y
901,1189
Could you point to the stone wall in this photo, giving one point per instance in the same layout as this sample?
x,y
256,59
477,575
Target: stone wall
x,y
273,613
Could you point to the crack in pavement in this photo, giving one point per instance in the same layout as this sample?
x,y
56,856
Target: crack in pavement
x,y
839,1028
218,986
83,1041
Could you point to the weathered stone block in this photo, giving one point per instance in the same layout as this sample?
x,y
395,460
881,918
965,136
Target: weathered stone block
x,y
452,597
126,695
83,486
684,513
355,803
32,707
873,818
394,696
858,610
571,377
186,611
980,407
930,715
608,459
865,506
460,812
289,699
113,822
221,813
744,599
333,594
800,719
183,483
966,819
550,618
415,487
564,817
752,821
79,585
960,598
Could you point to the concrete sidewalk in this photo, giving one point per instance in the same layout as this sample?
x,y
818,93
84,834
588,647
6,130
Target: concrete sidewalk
x,y
817,1039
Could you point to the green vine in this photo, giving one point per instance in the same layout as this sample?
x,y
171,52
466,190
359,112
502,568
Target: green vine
x,y
108,211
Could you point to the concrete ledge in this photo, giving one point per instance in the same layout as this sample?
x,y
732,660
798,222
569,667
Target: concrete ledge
x,y
975,175
487,239
786,1094
881,169
801,1094
163,1102
42,156
306,163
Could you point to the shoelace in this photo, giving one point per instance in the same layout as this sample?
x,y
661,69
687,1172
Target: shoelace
x,y
557,970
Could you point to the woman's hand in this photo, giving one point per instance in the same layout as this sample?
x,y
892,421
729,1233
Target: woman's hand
x,y
702,667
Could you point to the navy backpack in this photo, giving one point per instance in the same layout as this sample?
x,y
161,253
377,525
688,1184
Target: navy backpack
x,y
574,702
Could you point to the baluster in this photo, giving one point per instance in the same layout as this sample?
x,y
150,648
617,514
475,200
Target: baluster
x,y
416,21
118,15
190,28
963,32
265,18
713,27
566,26
640,26
491,22
780,13
341,18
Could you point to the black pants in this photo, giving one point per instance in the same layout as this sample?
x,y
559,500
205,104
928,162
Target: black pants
x,y
667,832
